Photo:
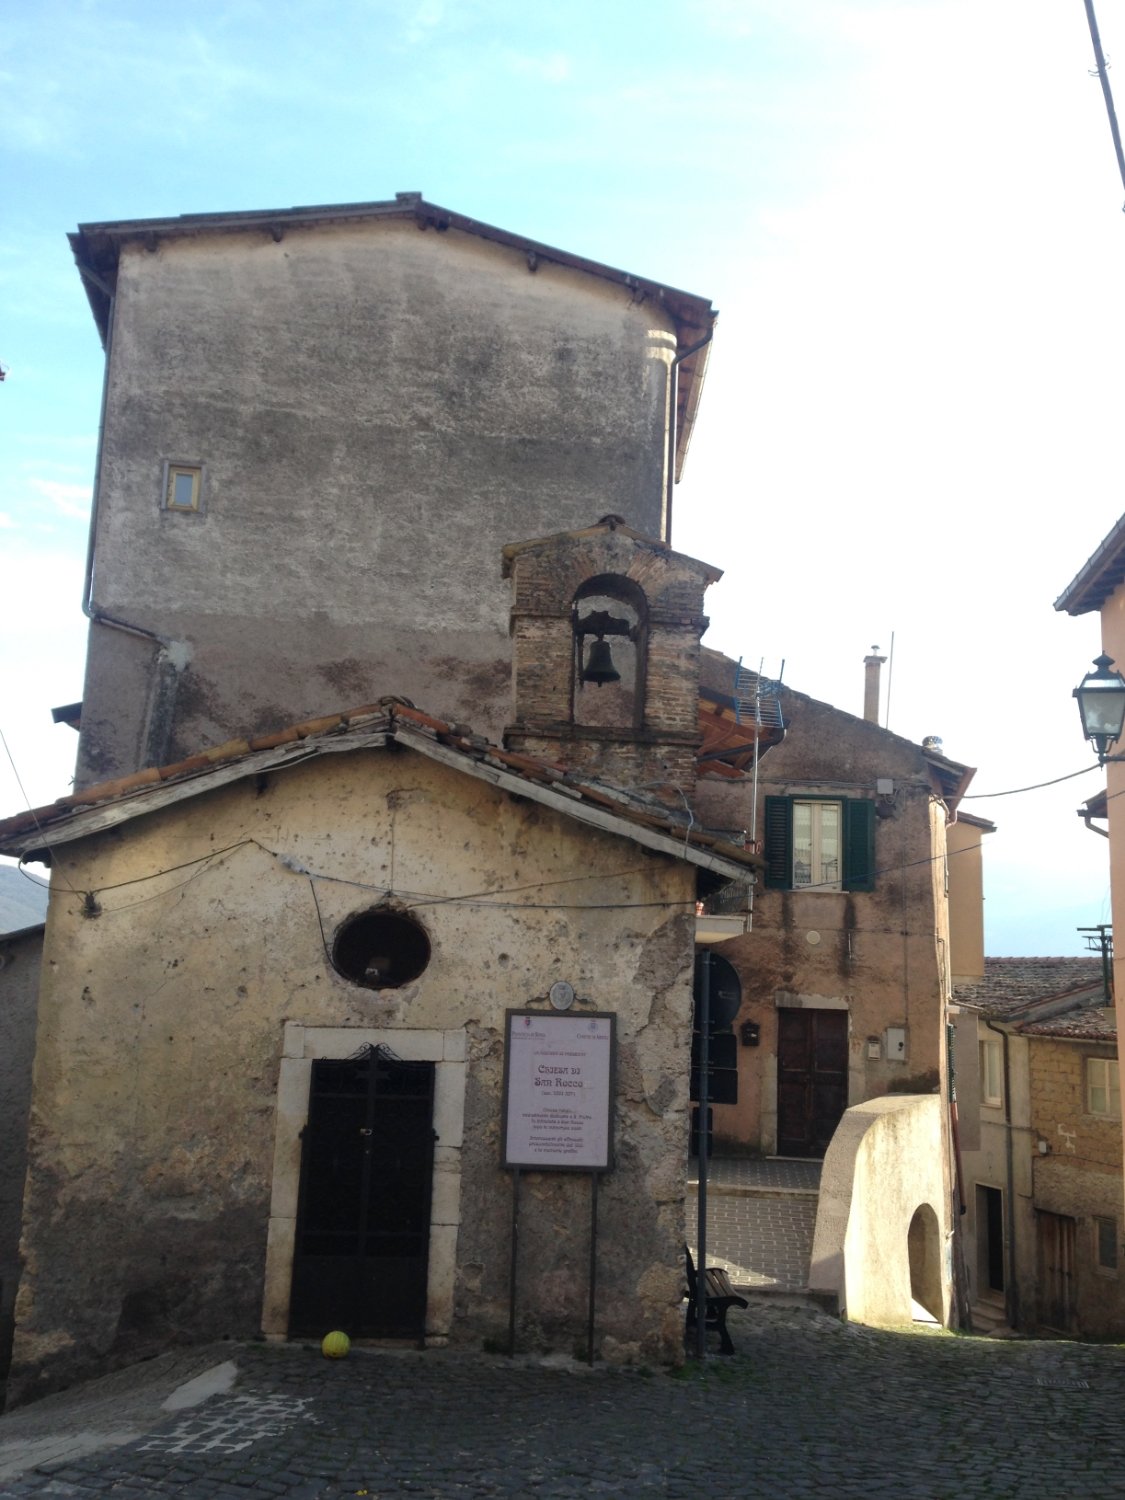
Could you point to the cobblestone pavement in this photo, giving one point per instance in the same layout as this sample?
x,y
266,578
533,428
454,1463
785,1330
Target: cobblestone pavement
x,y
808,1409
763,1243
760,1220
753,1174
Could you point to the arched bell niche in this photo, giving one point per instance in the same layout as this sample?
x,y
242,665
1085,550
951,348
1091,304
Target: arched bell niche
x,y
609,619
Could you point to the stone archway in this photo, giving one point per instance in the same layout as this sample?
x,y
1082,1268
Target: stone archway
x,y
923,1241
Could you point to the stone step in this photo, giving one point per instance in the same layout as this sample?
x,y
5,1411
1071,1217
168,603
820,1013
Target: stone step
x,y
744,1190
990,1320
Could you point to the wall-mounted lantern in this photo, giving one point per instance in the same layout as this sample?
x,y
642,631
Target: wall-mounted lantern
x,y
1101,704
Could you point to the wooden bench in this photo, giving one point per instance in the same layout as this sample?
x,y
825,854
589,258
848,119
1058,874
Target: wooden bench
x,y
720,1297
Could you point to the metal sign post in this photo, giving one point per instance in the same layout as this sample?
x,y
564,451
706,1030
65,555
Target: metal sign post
x,y
559,1073
704,1019
593,1266
514,1261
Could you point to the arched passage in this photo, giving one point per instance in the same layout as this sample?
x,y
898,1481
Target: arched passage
x,y
924,1248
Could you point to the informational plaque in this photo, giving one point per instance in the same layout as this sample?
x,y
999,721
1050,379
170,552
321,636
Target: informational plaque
x,y
558,1091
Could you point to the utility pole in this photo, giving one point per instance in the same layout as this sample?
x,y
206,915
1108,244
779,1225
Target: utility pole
x,y
1100,940
1099,58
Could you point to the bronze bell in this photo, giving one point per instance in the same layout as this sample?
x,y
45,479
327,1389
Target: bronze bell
x,y
599,664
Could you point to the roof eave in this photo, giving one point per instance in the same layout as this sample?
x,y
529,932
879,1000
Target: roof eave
x,y
1102,574
718,857
97,247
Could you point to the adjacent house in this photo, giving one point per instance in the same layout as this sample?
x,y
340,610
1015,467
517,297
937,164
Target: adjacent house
x,y
320,427
23,907
833,990
1099,588
844,971
1042,1157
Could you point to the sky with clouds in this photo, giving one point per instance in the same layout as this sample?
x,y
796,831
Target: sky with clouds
x,y
907,212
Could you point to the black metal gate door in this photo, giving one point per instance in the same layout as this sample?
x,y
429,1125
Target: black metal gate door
x,y
363,1215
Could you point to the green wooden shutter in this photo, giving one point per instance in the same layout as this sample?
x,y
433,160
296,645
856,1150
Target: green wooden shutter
x,y
859,845
778,827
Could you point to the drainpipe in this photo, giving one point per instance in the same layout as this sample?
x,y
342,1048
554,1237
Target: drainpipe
x,y
172,656
1011,1293
673,398
964,1317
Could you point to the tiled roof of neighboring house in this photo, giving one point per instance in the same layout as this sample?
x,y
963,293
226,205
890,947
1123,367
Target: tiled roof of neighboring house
x,y
726,681
986,825
1098,578
1089,1023
667,828
97,247
23,901
1012,985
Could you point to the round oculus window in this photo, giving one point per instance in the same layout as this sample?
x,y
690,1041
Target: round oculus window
x,y
381,949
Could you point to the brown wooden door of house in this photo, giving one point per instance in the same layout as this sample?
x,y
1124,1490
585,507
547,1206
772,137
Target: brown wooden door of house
x,y
1058,1289
812,1079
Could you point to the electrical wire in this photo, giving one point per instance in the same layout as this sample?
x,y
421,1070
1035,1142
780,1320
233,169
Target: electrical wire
x,y
495,899
1035,787
172,869
31,810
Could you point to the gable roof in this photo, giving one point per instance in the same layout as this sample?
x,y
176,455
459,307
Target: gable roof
x,y
642,819
949,778
1083,1023
608,526
97,247
1012,986
1102,573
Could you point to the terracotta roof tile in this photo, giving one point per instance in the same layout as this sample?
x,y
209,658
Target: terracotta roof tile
x,y
1087,1023
1010,985
629,806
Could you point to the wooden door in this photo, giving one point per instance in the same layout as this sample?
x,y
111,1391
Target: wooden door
x,y
363,1216
990,1239
812,1079
1058,1288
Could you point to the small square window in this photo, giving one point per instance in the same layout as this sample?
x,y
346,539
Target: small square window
x,y
1103,1093
183,487
1106,1232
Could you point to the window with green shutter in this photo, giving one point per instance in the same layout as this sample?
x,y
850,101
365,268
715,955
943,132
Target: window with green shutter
x,y
820,843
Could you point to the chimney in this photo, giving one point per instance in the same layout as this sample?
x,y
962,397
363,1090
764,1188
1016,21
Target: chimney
x,y
872,665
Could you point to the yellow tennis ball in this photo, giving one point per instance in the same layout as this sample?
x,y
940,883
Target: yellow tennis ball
x,y
335,1345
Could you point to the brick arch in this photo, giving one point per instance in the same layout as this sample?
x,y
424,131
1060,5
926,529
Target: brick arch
x,y
655,742
620,704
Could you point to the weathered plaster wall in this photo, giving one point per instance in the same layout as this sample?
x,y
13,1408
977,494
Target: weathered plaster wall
x,y
987,1166
886,1163
966,899
20,957
378,410
163,1022
880,955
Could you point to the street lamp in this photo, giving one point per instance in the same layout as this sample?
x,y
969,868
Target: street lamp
x,y
1101,702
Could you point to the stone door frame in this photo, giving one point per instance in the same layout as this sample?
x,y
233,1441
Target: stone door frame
x,y
302,1046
